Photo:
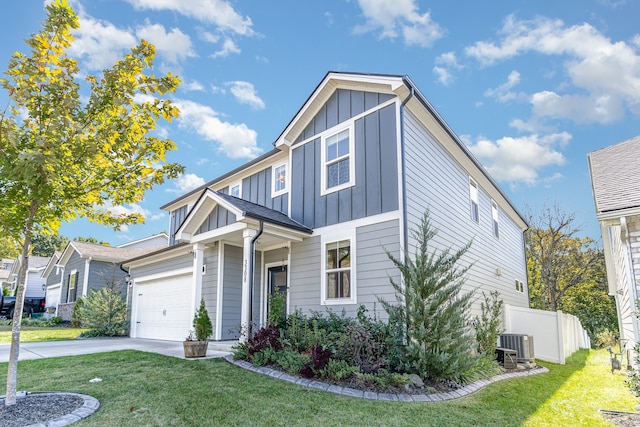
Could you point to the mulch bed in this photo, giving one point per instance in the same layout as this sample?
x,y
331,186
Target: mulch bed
x,y
38,408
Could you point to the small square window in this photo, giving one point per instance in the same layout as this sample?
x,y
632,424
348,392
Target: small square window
x,y
279,179
234,190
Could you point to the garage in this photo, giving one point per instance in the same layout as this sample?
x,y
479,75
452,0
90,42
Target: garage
x,y
162,308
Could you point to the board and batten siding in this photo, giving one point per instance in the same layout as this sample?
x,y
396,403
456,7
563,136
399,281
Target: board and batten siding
x,y
219,217
176,219
231,292
257,189
376,175
373,270
435,181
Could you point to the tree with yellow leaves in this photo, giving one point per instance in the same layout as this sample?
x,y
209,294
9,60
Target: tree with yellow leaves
x,y
65,153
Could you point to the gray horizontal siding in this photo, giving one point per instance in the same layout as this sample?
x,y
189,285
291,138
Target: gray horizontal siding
x,y
436,181
373,270
210,282
376,179
103,274
164,266
75,262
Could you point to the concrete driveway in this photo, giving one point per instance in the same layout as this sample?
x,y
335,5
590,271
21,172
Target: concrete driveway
x,y
40,350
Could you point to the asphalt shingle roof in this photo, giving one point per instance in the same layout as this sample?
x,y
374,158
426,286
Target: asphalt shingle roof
x,y
256,211
615,176
112,253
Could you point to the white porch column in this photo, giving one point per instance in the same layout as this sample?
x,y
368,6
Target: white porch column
x,y
247,236
198,262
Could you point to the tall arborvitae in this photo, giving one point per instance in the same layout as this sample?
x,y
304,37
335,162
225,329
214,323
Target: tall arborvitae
x,y
435,311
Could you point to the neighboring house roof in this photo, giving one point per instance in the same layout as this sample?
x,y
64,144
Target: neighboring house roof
x,y
615,176
156,240
104,253
51,264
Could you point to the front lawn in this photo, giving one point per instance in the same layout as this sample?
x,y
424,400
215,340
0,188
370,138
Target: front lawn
x,y
152,390
35,333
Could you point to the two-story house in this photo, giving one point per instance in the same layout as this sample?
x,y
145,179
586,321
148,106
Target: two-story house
x,y
348,179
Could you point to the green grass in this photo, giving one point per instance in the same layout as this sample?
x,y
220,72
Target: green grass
x,y
36,333
144,389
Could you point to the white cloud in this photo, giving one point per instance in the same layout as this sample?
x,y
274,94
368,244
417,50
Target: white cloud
x,y
187,182
217,12
234,140
192,86
603,76
400,17
444,64
245,93
510,159
173,46
503,92
100,42
228,47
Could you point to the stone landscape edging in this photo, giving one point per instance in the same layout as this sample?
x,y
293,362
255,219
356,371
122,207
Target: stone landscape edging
x,y
89,406
399,397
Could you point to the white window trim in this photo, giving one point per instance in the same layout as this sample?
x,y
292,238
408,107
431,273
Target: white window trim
x,y
338,235
495,219
274,192
349,125
474,184
75,286
239,185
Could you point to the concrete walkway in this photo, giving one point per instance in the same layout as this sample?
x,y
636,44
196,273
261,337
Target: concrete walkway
x,y
40,350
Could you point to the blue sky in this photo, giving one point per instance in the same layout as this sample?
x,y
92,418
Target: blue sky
x,y
530,87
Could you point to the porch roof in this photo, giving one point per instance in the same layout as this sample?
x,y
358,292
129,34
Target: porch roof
x,y
245,212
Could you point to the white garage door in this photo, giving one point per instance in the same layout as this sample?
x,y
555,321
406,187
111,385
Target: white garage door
x,y
163,308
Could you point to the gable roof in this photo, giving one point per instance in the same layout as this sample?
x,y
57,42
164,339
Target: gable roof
x,y
615,176
104,253
239,207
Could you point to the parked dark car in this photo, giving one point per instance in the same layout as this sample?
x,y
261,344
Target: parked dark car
x,y
31,306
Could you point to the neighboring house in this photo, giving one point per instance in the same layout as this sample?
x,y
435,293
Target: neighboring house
x,y
82,266
34,284
615,179
349,178
5,272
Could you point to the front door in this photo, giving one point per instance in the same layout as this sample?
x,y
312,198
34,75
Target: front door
x,y
277,302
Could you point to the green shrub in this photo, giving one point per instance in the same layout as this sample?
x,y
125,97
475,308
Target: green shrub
x,y
383,379
488,324
264,357
241,351
633,380
433,308
76,317
291,361
338,370
55,320
486,367
359,347
277,309
202,323
104,313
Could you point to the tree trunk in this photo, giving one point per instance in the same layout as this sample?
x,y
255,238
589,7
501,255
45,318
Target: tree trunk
x,y
12,372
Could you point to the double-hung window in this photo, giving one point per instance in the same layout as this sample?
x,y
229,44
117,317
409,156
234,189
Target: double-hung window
x,y
338,270
473,197
279,179
73,286
338,161
494,216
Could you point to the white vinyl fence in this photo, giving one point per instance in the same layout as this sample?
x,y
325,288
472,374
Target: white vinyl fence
x,y
556,335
